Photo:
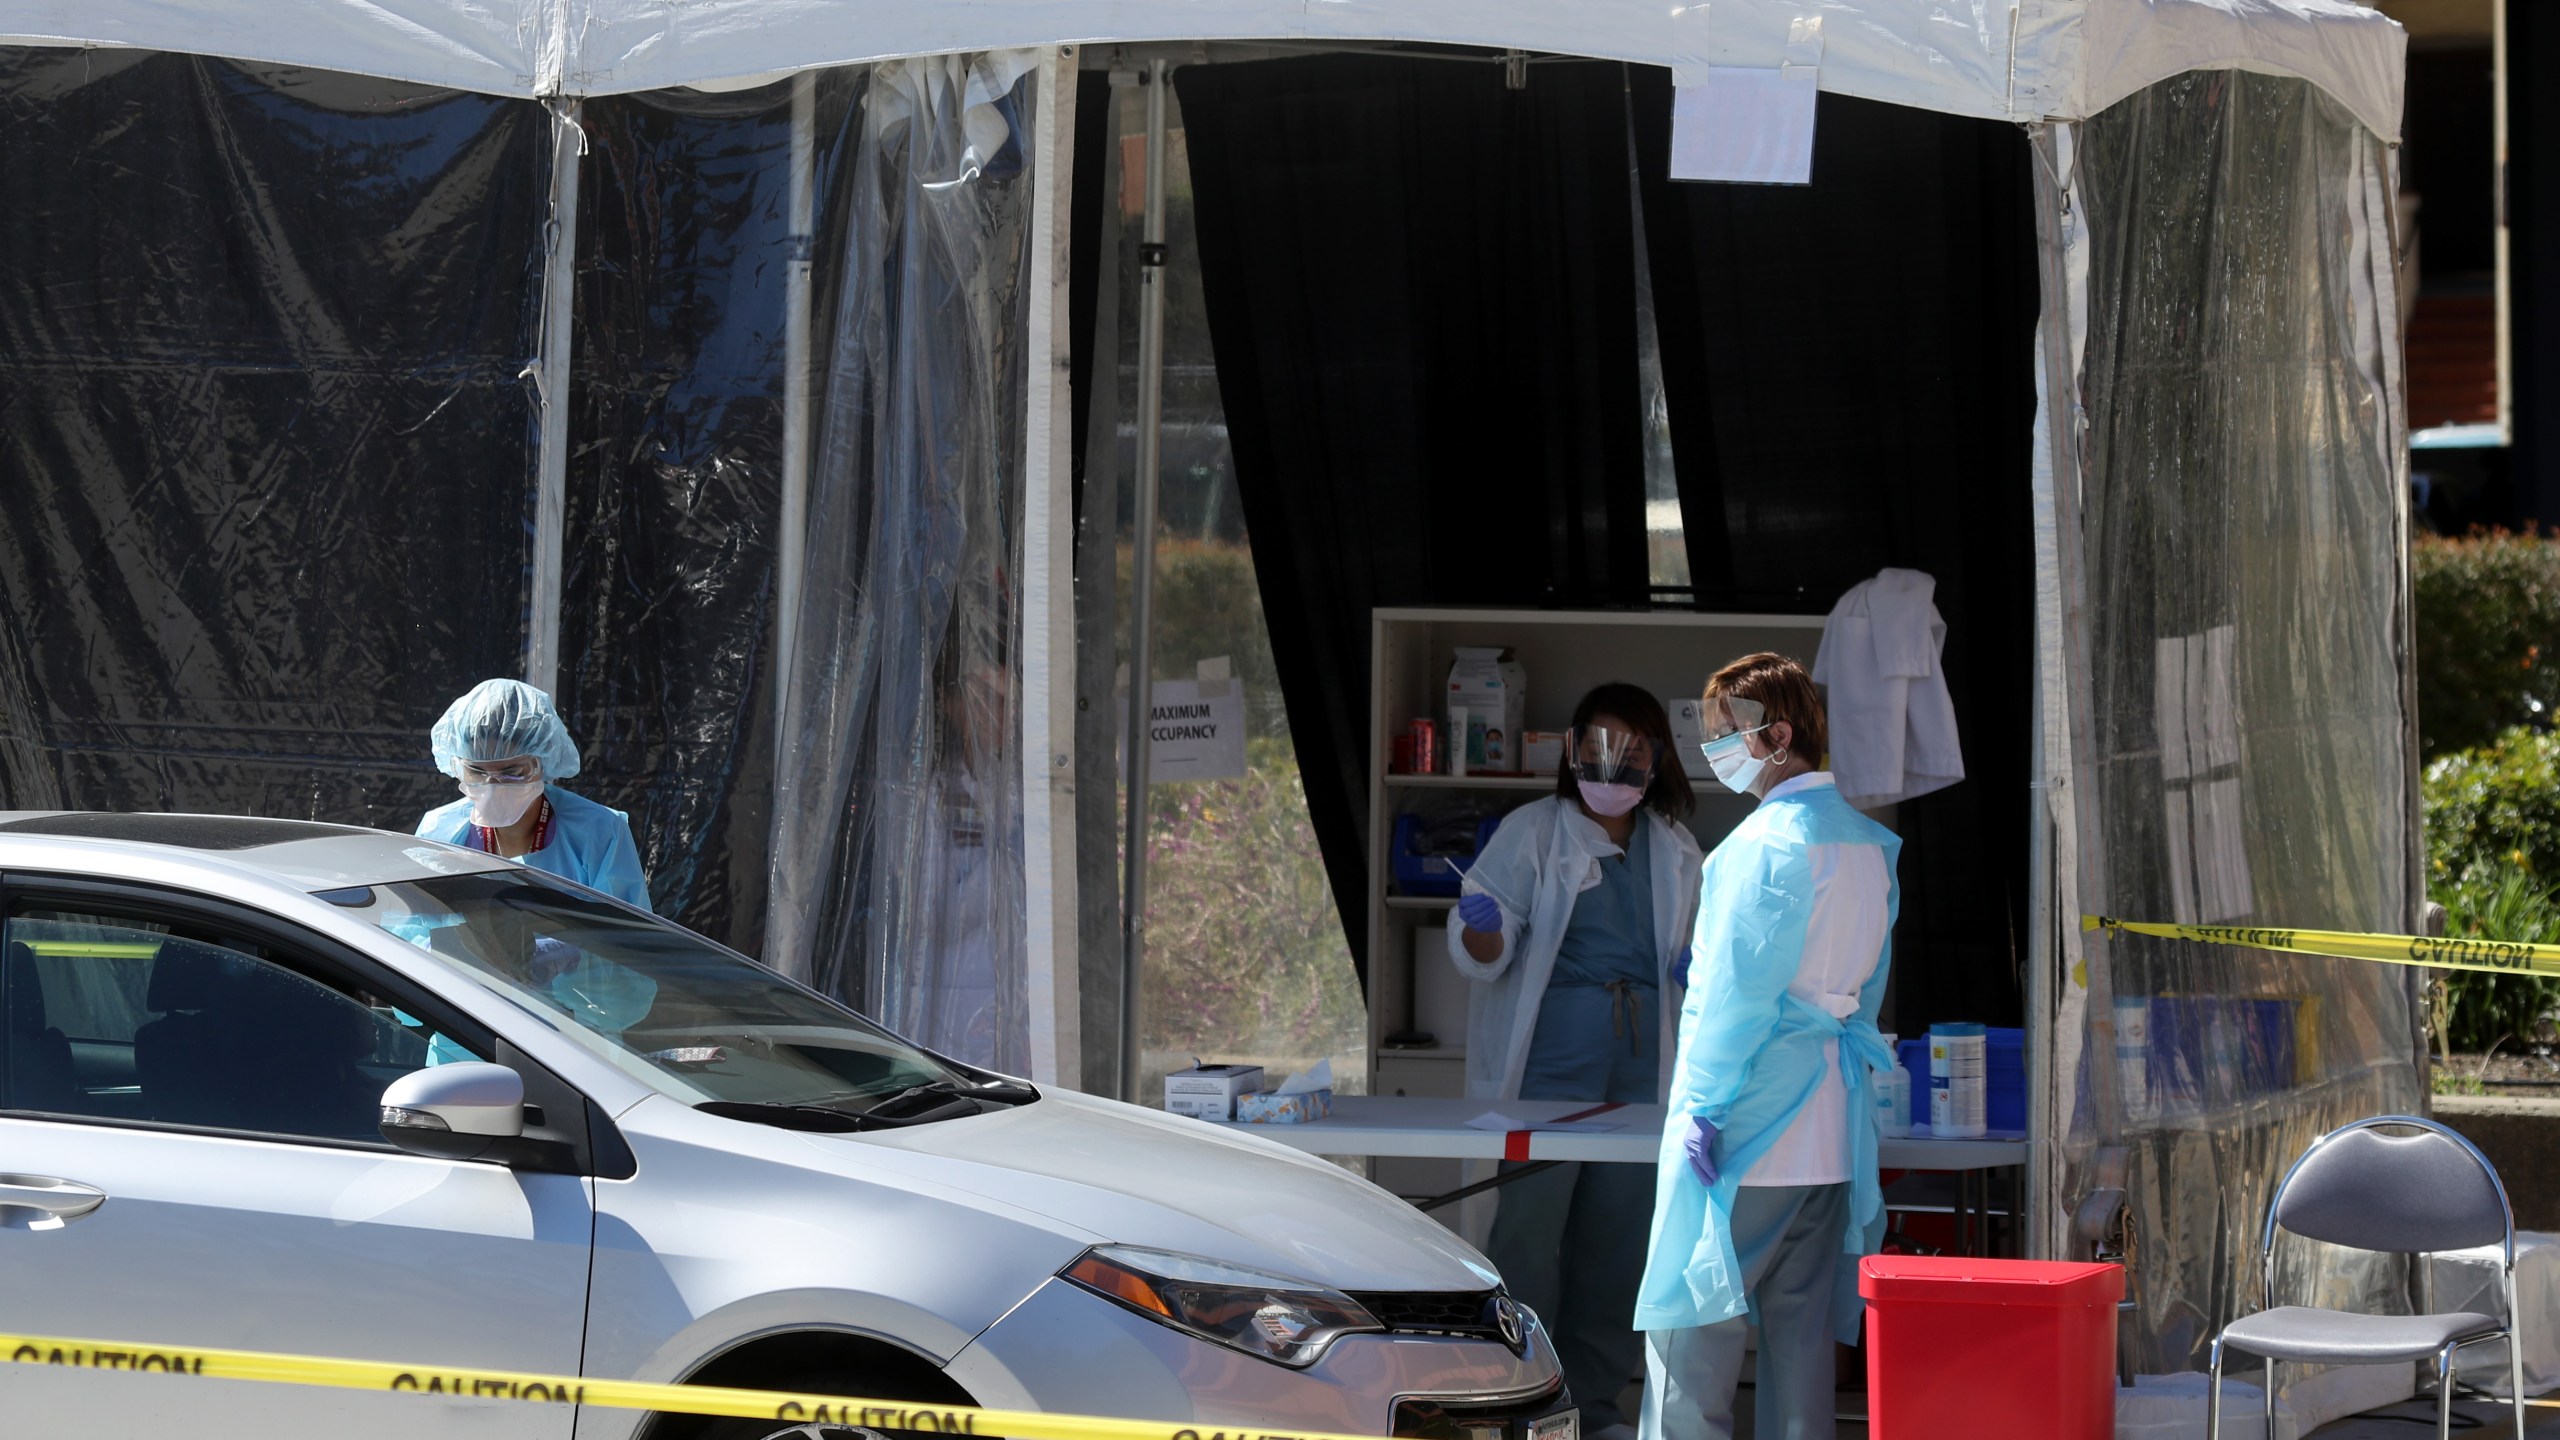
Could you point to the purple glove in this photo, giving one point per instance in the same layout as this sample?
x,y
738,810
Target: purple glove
x,y
1480,912
1701,1149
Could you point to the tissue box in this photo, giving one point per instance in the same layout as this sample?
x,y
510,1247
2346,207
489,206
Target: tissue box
x,y
1272,1108
1210,1092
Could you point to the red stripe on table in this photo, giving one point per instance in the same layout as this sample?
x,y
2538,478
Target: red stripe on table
x,y
1515,1143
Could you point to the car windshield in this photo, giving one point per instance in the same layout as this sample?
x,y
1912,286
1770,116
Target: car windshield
x,y
658,1002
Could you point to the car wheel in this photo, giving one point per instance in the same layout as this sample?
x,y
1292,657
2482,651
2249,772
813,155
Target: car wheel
x,y
876,1382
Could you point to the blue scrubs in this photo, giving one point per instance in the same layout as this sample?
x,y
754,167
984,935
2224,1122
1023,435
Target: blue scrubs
x,y
1570,1241
590,843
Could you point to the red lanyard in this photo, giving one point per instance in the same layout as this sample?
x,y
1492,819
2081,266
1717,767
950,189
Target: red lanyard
x,y
485,839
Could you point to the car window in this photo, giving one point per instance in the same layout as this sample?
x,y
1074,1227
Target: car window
x,y
134,1018
656,1001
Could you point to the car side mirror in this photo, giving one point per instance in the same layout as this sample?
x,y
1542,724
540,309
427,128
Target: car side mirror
x,y
463,1111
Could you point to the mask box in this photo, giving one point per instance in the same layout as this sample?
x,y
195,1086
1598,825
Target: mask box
x,y
1486,698
1209,1092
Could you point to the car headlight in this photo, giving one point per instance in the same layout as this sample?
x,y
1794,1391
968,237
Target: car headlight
x,y
1272,1317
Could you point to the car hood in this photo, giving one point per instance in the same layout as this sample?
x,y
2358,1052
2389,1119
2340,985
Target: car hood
x,y
1120,1173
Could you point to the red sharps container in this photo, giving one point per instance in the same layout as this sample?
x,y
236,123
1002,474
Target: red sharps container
x,y
1990,1349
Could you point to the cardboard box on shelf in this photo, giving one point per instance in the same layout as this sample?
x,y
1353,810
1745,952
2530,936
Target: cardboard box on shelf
x,y
1541,751
1486,699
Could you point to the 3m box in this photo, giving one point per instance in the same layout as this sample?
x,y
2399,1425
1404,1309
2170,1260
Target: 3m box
x,y
1486,697
1208,1092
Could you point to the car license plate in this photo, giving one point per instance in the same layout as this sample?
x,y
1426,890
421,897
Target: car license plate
x,y
1563,1425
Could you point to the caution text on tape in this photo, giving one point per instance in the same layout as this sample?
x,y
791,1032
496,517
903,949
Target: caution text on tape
x,y
2506,957
157,1364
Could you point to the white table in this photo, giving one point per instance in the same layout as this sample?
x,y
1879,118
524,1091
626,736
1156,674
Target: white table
x,y
1413,1127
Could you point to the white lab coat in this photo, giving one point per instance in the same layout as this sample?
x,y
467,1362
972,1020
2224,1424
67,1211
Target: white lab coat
x,y
1542,856
1893,725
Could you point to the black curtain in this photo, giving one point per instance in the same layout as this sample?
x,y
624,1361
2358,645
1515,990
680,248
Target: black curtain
x,y
1420,288
1094,105
266,461
1848,367
2531,185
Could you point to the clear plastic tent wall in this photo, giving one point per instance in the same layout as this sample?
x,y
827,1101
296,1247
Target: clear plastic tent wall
x,y
264,494
2244,556
686,234
897,841
270,453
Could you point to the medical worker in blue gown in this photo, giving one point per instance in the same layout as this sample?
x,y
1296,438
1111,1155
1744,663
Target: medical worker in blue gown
x,y
504,743
1573,924
1767,1192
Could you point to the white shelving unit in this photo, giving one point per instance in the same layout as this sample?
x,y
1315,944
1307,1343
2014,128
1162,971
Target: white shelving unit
x,y
1411,983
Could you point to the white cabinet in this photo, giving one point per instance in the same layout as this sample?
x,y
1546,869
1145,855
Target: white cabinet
x,y
1565,653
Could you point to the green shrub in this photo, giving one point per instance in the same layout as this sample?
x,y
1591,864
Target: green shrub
x,y
2473,1011
1208,604
2488,635
2494,810
1244,946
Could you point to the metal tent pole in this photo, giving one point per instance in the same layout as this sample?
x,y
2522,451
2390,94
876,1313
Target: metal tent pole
x,y
551,390
791,549
1133,905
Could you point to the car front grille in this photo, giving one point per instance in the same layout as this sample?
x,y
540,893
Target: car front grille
x,y
1420,1419
1434,1312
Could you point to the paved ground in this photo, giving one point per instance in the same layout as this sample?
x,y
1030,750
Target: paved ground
x,y
2418,1418
2411,1420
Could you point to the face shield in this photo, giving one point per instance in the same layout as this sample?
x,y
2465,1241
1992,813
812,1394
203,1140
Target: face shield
x,y
501,791
1608,755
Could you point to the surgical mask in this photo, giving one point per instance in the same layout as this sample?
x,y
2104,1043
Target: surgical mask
x,y
1610,800
1734,764
497,806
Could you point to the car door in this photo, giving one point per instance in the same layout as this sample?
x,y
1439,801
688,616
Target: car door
x,y
188,1156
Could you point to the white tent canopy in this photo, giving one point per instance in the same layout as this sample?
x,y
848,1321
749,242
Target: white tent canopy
x,y
2023,60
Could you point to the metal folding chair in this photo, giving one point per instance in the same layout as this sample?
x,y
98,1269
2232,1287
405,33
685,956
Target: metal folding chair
x,y
2411,1194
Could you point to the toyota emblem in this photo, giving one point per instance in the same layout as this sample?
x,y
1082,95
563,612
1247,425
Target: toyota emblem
x,y
1507,1322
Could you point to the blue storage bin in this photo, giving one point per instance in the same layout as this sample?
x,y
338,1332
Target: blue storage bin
x,y
2005,1065
1914,1055
1432,875
2212,1050
2005,1102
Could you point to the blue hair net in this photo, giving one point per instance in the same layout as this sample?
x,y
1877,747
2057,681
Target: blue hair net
x,y
500,720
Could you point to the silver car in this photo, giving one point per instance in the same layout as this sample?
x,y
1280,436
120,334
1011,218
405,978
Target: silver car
x,y
293,1087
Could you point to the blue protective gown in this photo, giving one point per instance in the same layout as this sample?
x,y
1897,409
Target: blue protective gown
x,y
1751,1055
590,843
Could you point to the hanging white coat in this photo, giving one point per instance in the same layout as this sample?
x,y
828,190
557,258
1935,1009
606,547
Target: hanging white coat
x,y
1539,859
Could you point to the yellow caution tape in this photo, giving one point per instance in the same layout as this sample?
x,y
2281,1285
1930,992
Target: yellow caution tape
x,y
382,1377
2503,957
